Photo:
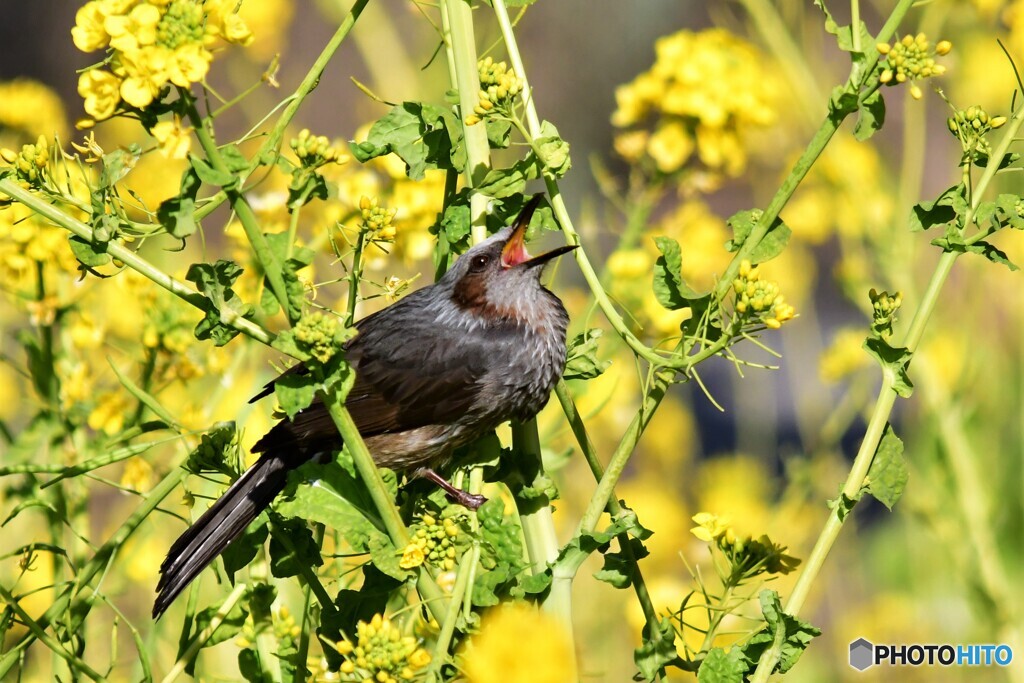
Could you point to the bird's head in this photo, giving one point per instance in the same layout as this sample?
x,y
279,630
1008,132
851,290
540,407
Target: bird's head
x,y
498,278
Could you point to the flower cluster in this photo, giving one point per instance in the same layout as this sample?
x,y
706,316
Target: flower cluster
x,y
29,164
151,44
910,59
970,126
285,628
377,220
314,151
760,298
434,542
884,307
498,86
748,557
317,334
381,653
704,91
26,242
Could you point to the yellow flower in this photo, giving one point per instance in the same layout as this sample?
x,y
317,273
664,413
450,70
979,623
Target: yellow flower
x,y
844,356
101,90
222,20
31,109
189,64
145,72
88,33
630,264
517,643
85,333
174,143
412,557
709,526
134,30
137,475
670,146
109,413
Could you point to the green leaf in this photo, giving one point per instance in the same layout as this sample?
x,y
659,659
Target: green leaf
x,y
292,548
119,163
552,150
385,557
332,497
214,282
420,134
842,504
229,627
499,133
243,549
501,554
770,246
619,569
208,174
505,182
797,633
89,254
871,116
657,651
894,362
233,158
993,254
1011,211
669,288
887,477
720,666
951,203
177,214
294,392
842,103
582,361
844,34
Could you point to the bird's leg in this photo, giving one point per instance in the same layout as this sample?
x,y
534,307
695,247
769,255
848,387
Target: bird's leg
x,y
469,500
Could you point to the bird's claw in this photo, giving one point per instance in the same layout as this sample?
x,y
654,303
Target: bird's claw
x,y
470,500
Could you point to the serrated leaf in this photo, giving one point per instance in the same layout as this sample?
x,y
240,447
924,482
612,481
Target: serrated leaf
x,y
420,134
582,361
214,282
770,246
871,116
241,552
894,362
208,174
669,288
292,547
332,496
798,633
89,254
887,477
619,569
505,182
657,651
720,666
944,209
1011,211
177,214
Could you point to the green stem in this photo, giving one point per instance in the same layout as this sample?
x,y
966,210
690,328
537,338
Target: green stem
x,y
273,142
268,260
354,276
76,664
197,643
444,638
128,257
95,566
434,597
884,404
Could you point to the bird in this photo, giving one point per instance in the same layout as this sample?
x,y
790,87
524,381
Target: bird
x,y
436,370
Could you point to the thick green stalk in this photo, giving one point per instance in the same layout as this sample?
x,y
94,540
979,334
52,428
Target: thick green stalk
x,y
435,598
128,257
197,643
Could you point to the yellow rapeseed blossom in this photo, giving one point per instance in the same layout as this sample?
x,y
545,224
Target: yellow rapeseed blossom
x,y
704,92
844,356
381,654
912,58
173,141
152,44
760,298
109,413
29,109
518,643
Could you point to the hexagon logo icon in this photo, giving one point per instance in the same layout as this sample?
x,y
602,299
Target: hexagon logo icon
x,y
862,654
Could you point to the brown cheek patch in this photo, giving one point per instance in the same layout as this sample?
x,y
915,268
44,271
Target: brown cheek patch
x,y
470,294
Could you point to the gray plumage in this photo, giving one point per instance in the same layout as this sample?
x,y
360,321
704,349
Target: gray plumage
x,y
435,371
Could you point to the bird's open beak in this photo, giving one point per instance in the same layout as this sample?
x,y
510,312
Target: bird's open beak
x,y
514,253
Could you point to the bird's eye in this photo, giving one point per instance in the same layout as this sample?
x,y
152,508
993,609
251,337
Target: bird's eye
x,y
479,262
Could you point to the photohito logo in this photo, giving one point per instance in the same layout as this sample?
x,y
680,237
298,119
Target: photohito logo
x,y
864,654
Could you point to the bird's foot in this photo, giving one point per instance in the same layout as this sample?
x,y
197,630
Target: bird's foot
x,y
464,498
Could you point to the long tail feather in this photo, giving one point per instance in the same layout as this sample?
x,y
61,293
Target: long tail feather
x,y
221,524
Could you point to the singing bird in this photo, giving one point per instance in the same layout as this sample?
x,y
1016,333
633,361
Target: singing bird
x,y
436,370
